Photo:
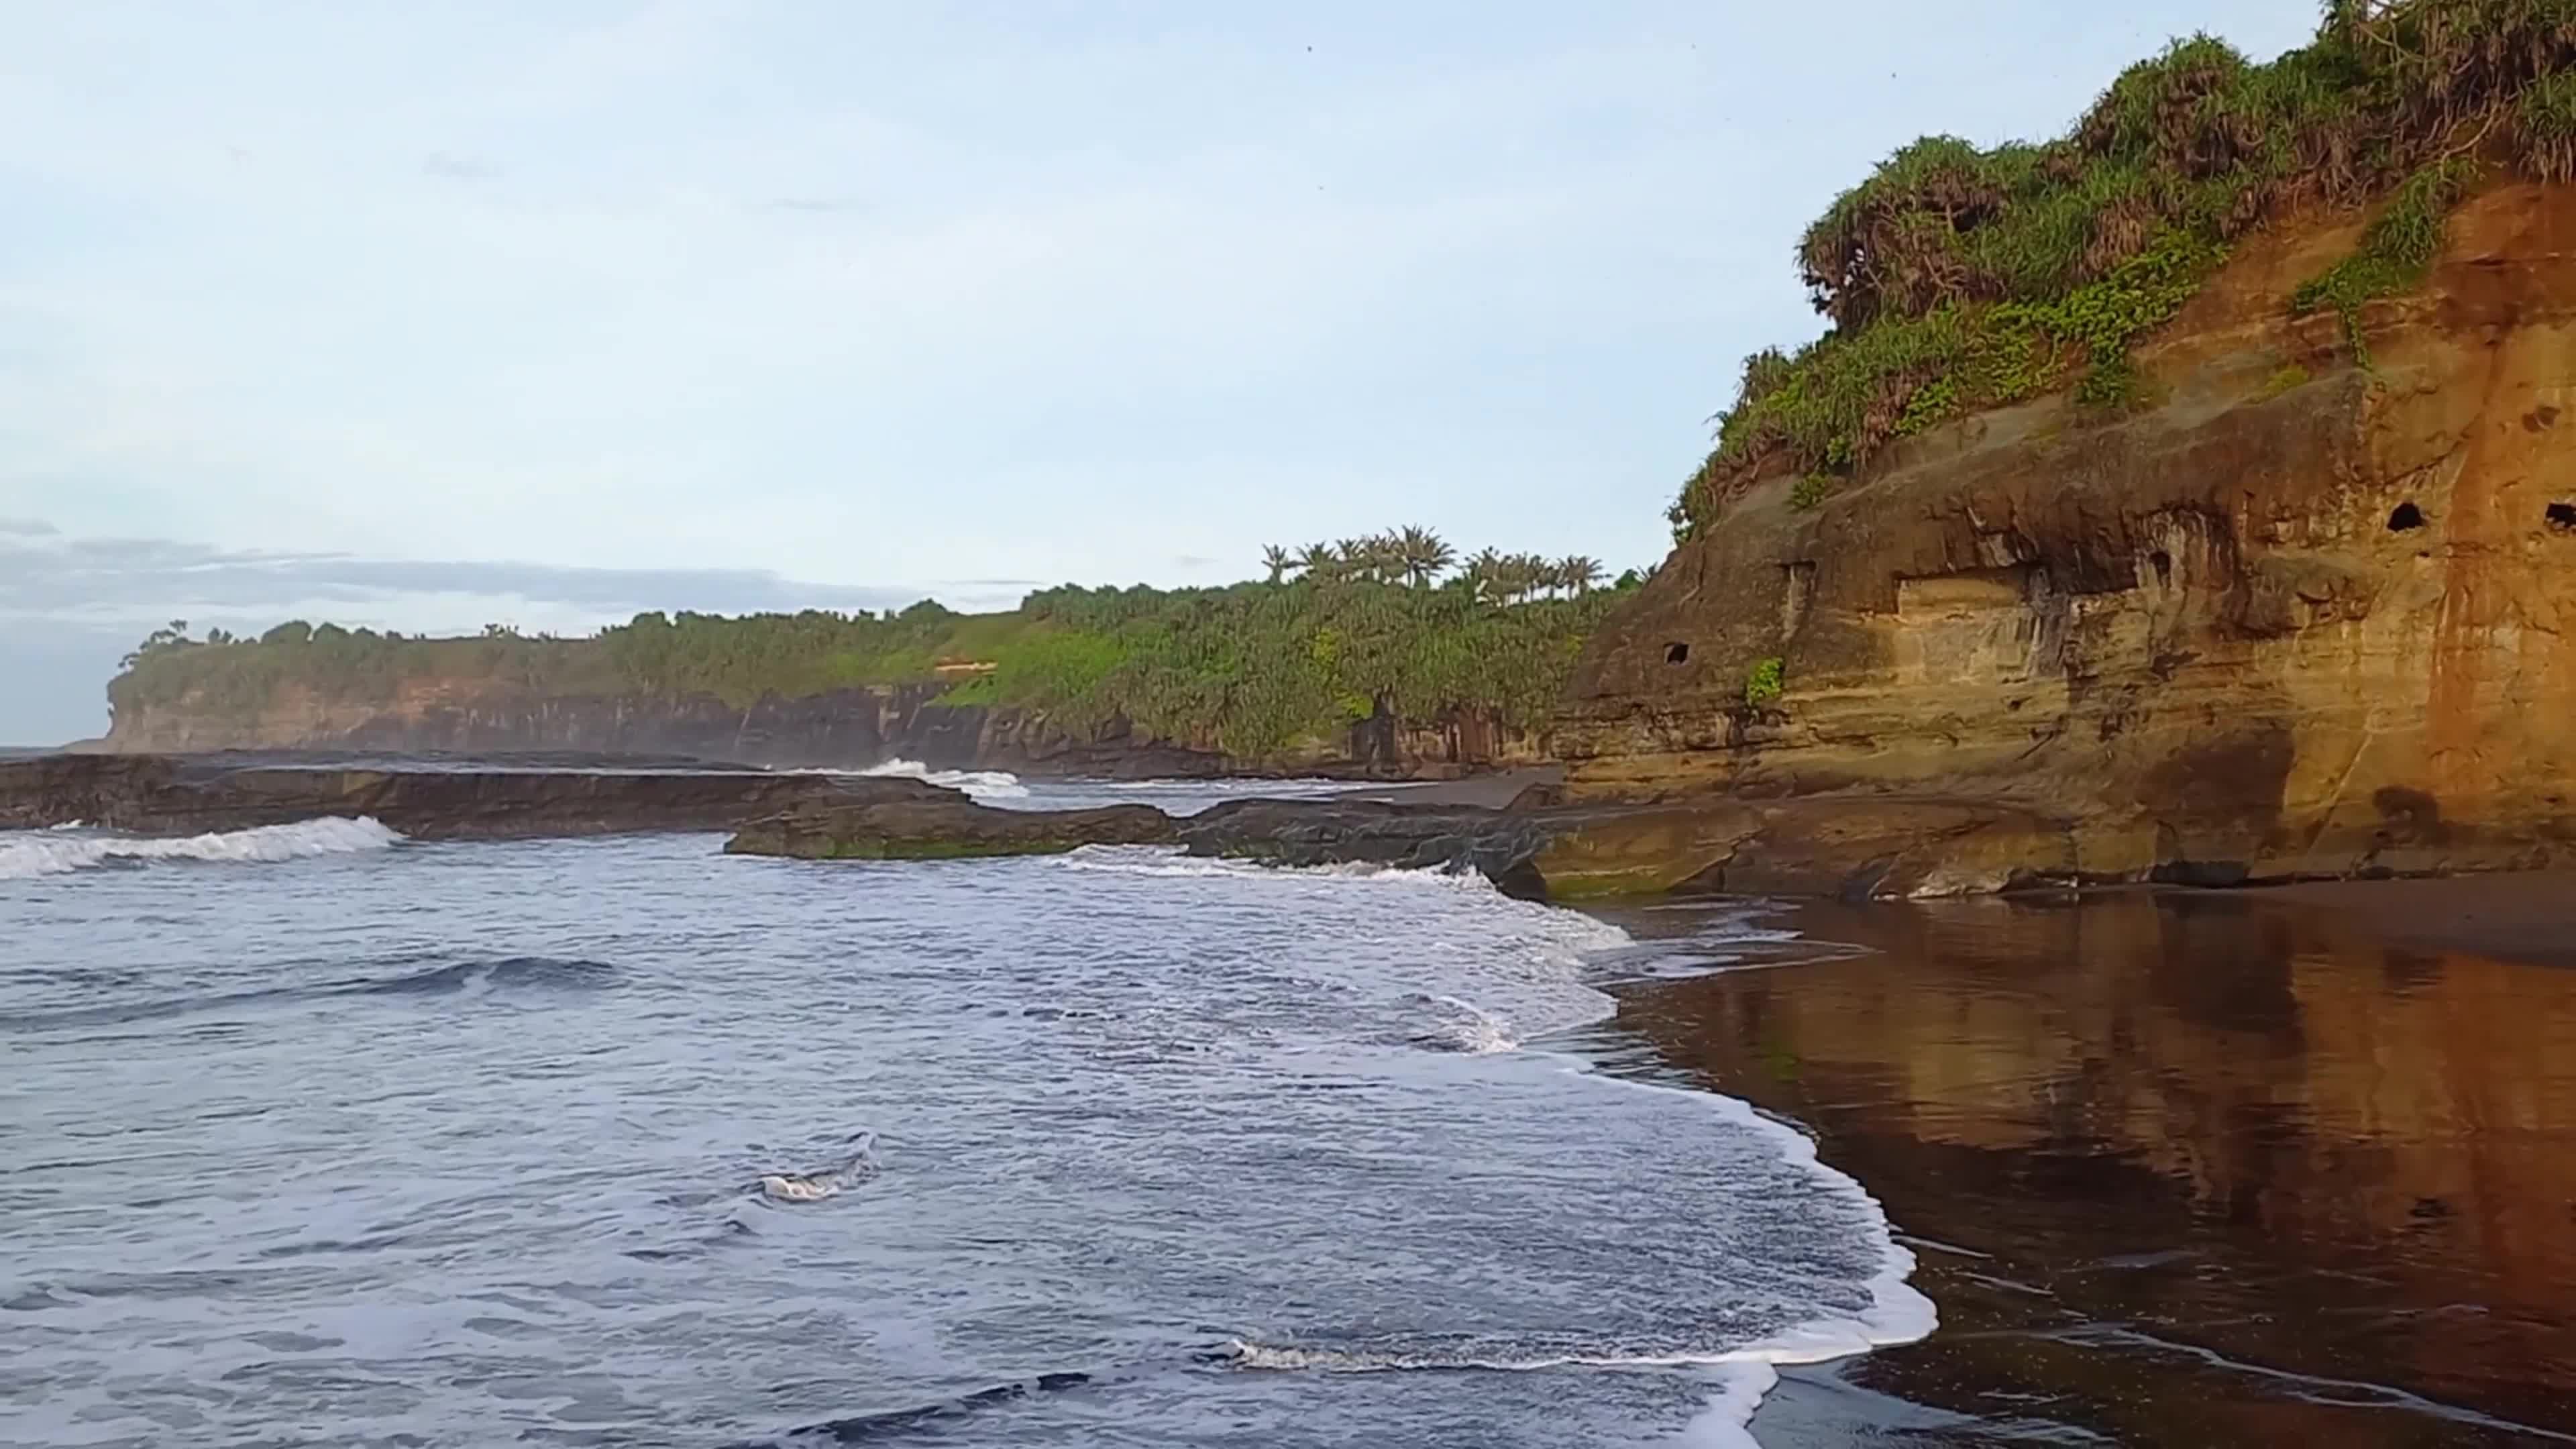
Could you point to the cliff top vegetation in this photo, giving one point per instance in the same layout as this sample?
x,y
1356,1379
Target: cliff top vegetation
x,y
1958,278
1336,633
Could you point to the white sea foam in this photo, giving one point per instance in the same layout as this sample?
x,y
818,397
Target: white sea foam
x,y
980,784
1476,1031
1549,990
59,852
1897,1312
1166,860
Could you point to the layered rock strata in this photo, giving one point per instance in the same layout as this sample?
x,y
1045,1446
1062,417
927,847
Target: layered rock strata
x,y
2297,617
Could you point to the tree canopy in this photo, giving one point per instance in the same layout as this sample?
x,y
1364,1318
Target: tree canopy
x,y
1390,624
1957,278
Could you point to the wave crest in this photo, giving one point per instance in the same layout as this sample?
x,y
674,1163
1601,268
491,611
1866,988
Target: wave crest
x,y
979,784
60,852
459,978
1173,860
1467,1028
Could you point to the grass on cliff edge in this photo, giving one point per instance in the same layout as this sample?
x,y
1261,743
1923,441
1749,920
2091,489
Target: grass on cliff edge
x,y
1253,669
1957,278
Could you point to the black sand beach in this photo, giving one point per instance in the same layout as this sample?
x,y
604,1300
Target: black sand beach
x,y
2184,1169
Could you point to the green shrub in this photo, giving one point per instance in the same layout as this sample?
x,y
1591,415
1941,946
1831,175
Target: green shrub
x,y
1810,491
2289,379
1762,684
2395,252
1957,278
2544,129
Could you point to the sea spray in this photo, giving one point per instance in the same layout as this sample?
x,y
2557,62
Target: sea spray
x,y
978,784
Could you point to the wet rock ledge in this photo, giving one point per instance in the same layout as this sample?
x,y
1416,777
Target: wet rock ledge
x,y
1536,847
188,795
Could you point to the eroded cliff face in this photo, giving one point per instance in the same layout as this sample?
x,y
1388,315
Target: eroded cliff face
x,y
2299,617
845,729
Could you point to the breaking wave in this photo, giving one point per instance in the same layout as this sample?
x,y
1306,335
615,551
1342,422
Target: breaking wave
x,y
1741,1374
1170,860
1527,975
1466,1027
61,851
980,784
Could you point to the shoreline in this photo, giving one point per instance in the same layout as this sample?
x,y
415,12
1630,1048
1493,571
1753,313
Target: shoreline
x,y
2171,1161
1516,826
2527,916
2136,1144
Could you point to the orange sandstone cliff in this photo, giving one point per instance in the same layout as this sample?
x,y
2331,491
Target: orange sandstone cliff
x,y
2298,616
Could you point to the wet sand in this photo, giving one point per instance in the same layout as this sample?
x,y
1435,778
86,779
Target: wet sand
x,y
2518,917
2253,1168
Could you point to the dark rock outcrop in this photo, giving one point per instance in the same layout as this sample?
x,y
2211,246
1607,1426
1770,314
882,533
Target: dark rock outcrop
x,y
1539,846
1500,843
950,828
1303,833
160,794
1537,850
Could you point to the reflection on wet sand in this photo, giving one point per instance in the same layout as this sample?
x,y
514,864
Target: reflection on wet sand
x,y
2192,1170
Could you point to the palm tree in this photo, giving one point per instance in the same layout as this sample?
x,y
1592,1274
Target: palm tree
x,y
1578,572
1318,561
1278,560
1376,558
1485,575
1422,554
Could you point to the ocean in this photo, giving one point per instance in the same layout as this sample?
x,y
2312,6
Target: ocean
x,y
317,1135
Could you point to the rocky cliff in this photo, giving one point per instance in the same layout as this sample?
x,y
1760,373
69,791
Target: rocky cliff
x,y
2294,616
843,729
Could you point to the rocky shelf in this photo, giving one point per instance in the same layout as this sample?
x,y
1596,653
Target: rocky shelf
x,y
1852,845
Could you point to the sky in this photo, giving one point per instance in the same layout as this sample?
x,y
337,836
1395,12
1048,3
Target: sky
x,y
423,316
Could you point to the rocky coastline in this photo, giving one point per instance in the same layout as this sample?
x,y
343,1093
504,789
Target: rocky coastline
x,y
1538,843
2301,612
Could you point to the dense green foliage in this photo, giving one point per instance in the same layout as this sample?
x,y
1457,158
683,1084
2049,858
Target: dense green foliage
x,y
2395,252
1959,278
1252,667
2544,129
224,676
1764,683
1258,667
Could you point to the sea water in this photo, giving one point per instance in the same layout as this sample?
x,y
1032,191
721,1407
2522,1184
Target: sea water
x,y
315,1135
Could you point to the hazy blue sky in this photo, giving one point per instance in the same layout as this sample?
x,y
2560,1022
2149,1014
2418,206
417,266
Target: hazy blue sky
x,y
420,315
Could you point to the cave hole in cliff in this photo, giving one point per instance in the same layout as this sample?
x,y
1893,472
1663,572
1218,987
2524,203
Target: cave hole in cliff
x,y
2562,516
2405,518
1677,654
2163,562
